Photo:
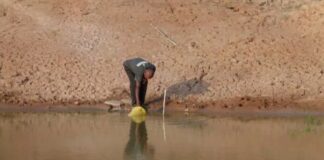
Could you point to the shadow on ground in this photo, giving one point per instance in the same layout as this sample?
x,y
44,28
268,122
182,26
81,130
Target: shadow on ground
x,y
183,89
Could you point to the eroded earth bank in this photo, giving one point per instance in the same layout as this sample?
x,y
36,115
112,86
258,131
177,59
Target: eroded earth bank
x,y
209,53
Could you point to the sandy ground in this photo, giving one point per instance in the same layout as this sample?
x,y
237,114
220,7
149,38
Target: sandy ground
x,y
219,53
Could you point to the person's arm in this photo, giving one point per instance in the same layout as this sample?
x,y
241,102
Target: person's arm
x,y
138,80
137,90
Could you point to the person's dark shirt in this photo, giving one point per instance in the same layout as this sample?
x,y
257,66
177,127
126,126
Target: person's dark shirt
x,y
138,66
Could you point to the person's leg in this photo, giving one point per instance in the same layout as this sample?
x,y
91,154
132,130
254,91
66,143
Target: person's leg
x,y
143,93
132,91
132,84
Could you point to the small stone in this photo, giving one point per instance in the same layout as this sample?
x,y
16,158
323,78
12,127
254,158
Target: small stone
x,y
34,98
304,7
126,101
114,103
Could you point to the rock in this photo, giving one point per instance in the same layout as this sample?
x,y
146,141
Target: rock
x,y
34,98
114,103
126,101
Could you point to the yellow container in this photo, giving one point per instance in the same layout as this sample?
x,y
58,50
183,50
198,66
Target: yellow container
x,y
138,119
137,111
137,114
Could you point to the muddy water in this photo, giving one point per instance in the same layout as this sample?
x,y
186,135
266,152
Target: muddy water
x,y
104,136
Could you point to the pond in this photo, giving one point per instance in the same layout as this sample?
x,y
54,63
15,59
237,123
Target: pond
x,y
113,136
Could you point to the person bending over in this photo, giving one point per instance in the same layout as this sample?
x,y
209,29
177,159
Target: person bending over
x,y
139,71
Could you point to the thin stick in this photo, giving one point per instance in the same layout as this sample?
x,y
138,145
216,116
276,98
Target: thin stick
x,y
165,91
163,128
164,34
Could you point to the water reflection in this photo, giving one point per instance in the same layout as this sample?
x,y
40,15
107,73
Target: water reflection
x,y
137,147
113,136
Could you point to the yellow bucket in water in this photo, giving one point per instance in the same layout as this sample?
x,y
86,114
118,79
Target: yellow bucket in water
x,y
137,111
137,114
138,119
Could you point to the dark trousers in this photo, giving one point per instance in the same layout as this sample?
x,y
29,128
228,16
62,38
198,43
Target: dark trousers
x,y
132,85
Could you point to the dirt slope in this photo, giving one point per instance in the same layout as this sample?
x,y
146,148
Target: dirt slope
x,y
226,53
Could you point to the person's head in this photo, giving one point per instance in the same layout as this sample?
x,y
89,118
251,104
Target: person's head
x,y
148,73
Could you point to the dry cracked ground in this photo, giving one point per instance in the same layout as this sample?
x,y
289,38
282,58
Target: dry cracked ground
x,y
219,53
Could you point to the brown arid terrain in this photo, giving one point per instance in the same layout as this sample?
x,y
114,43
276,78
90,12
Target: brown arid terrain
x,y
258,54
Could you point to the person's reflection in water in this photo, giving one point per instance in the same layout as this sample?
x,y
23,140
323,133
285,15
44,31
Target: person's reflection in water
x,y
137,147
